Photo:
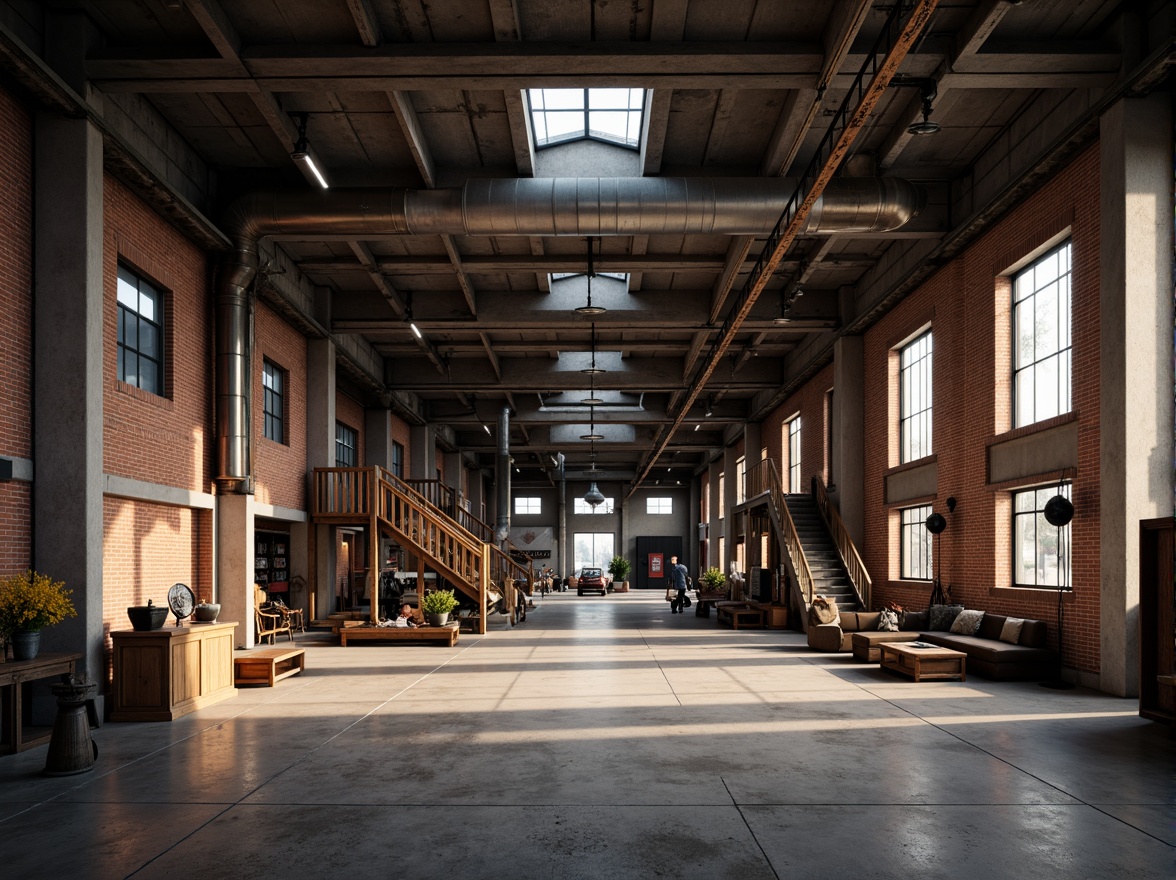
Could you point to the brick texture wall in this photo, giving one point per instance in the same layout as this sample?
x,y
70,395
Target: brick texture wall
x,y
169,439
399,432
349,411
809,403
16,317
145,549
279,469
967,307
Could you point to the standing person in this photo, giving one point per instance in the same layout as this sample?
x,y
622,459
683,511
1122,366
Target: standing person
x,y
677,574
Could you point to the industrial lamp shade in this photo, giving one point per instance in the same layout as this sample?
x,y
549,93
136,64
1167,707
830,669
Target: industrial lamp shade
x,y
594,496
1059,510
936,523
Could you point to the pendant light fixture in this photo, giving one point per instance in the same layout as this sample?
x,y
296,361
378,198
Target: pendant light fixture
x,y
590,309
303,157
593,370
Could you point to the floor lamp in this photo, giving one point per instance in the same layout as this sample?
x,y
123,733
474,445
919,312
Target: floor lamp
x,y
1058,512
935,525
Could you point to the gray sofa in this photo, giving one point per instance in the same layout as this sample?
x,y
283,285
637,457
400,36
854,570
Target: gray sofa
x,y
988,656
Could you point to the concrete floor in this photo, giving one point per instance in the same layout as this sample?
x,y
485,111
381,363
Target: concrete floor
x,y
606,737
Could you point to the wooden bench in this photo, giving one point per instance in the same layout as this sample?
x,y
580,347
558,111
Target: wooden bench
x,y
268,666
446,634
739,614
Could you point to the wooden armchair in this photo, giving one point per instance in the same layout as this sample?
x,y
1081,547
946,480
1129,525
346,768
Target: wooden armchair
x,y
266,620
293,616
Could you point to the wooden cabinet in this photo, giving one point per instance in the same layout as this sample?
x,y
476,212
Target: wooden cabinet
x,y
166,673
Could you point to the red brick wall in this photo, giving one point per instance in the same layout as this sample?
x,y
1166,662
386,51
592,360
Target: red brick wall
x,y
279,469
809,402
169,439
966,304
399,431
145,549
350,413
16,319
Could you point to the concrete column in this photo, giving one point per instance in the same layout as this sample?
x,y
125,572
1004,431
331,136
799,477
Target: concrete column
x,y
320,452
477,492
692,520
715,527
1135,368
730,520
234,564
849,435
67,378
377,438
453,469
424,453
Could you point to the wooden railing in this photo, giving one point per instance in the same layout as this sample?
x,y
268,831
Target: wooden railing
x,y
764,478
410,510
850,558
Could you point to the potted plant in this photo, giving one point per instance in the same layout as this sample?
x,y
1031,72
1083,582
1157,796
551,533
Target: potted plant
x,y
437,605
712,581
29,602
619,568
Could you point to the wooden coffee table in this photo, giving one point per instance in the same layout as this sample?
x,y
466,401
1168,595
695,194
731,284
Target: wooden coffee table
x,y
917,663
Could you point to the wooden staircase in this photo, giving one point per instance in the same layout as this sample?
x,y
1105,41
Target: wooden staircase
x,y
820,556
394,508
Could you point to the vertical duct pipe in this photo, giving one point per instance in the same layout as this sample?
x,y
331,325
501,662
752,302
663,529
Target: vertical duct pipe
x,y
235,273
562,541
502,479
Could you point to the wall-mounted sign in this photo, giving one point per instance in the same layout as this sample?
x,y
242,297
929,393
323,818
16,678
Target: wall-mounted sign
x,y
656,565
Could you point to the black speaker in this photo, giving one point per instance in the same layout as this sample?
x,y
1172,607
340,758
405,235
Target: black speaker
x,y
760,584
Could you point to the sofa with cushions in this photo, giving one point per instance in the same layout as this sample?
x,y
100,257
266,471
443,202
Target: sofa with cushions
x,y
998,647
839,635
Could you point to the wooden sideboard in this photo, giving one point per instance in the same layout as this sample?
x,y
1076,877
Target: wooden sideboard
x,y
163,674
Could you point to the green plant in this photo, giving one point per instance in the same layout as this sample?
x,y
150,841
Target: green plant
x,y
619,568
712,579
30,601
438,602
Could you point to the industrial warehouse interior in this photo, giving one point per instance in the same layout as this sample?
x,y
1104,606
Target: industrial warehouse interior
x,y
382,378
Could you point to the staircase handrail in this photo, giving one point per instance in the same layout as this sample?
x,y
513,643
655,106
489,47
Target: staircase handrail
x,y
769,478
456,555
846,549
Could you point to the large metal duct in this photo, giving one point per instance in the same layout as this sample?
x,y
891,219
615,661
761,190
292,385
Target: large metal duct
x,y
551,206
502,479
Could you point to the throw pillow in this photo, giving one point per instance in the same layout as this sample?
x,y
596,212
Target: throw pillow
x,y
942,617
823,610
888,621
966,623
1011,631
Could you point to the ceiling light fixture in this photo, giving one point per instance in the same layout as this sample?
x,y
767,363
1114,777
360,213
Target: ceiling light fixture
x,y
590,309
710,410
302,156
408,317
930,93
593,370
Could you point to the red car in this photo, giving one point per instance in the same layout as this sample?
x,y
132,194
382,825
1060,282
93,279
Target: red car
x,y
591,580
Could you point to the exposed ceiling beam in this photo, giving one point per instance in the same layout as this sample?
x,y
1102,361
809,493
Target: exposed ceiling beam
x,y
634,262
365,21
217,27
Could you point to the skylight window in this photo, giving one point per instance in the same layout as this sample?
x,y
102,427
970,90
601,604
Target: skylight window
x,y
559,116
560,276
